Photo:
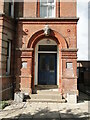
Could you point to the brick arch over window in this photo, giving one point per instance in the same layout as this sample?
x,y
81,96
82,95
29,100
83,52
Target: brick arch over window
x,y
36,37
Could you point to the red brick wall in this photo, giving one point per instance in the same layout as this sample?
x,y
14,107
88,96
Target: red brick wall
x,y
33,27
1,22
6,34
1,6
31,9
68,9
63,30
25,31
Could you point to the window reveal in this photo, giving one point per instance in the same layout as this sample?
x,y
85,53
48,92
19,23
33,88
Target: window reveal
x,y
8,57
11,8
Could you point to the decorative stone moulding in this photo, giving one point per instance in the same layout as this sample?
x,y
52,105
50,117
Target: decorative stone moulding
x,y
26,30
47,30
68,30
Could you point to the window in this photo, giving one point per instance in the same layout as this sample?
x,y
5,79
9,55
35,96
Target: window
x,y
11,8
8,57
47,8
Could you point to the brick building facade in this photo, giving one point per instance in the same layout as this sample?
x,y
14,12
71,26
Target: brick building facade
x,y
38,46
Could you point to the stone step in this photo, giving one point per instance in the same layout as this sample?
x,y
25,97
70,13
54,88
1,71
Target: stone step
x,y
46,96
46,87
46,100
45,92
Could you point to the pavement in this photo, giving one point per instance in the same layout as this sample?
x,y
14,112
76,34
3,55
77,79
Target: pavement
x,y
48,110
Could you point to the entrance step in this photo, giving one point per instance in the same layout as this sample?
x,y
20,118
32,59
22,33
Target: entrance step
x,y
47,94
46,87
47,100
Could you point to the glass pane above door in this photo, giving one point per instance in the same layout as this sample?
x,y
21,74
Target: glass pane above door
x,y
47,48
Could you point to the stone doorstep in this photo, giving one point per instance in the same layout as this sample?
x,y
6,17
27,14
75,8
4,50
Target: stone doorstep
x,y
47,100
47,92
46,96
46,87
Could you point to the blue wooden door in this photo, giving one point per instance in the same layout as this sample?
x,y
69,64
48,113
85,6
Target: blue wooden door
x,y
47,69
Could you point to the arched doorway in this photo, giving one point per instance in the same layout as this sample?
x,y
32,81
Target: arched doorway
x,y
46,63
39,38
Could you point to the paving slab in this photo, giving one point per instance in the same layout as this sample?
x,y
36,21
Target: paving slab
x,y
53,115
47,111
46,119
40,115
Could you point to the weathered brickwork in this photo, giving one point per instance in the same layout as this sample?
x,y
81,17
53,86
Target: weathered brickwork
x,y
63,9
6,8
68,9
25,31
7,32
68,30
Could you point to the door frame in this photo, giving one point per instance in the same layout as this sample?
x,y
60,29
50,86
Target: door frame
x,y
55,72
45,42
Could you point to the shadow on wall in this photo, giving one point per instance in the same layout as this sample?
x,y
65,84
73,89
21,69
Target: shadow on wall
x,y
19,7
19,81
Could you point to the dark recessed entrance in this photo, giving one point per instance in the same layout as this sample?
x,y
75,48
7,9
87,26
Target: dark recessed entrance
x,y
47,68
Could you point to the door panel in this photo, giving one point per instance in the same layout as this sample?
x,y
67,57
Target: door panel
x,y
47,67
